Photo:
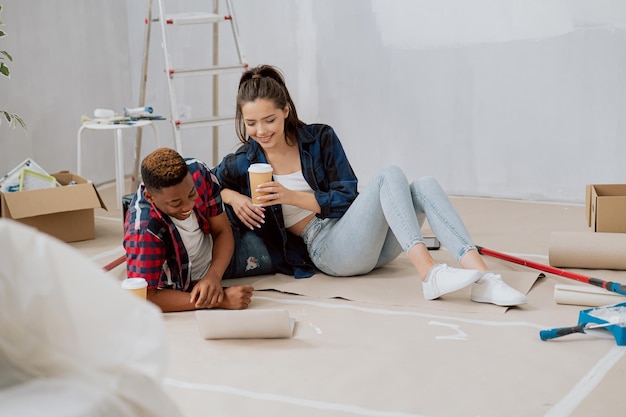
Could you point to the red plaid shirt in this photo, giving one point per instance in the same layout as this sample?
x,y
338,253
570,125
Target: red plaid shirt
x,y
154,248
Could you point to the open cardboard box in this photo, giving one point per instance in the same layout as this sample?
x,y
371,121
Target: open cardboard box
x,y
606,207
66,212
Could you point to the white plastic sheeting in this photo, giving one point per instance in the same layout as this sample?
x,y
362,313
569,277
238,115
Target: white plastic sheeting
x,y
72,342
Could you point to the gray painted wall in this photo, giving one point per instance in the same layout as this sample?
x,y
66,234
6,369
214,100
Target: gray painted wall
x,y
516,99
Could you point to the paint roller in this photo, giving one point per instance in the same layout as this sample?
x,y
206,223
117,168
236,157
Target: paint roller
x,y
611,318
138,111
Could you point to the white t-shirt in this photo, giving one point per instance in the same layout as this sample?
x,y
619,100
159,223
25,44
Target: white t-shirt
x,y
199,245
296,182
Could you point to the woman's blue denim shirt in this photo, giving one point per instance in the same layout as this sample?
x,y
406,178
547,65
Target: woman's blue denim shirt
x,y
326,169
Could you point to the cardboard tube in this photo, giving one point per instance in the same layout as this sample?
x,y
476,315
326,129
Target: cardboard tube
x,y
580,295
588,250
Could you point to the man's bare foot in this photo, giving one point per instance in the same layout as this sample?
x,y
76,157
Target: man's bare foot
x,y
237,297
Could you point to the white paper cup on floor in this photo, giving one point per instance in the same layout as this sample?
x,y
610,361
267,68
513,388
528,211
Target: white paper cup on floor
x,y
259,173
137,286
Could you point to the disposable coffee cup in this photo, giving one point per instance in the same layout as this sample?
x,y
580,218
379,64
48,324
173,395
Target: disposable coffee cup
x,y
259,173
137,286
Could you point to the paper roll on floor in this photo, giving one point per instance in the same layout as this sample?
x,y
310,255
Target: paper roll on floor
x,y
582,295
244,324
588,250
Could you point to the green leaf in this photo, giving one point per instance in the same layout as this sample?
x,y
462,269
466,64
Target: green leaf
x,y
5,53
19,120
2,34
4,70
13,120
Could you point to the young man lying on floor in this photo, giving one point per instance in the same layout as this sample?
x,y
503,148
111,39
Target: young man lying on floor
x,y
178,237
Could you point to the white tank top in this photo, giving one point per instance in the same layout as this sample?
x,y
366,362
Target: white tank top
x,y
296,182
199,245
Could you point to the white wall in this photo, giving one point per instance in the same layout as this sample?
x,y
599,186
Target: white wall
x,y
501,98
70,56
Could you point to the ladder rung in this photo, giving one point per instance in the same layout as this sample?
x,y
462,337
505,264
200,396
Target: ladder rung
x,y
193,18
211,121
190,72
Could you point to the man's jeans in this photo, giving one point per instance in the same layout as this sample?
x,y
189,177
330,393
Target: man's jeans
x,y
251,256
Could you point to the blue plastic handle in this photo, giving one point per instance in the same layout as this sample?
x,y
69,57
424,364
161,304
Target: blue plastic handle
x,y
561,331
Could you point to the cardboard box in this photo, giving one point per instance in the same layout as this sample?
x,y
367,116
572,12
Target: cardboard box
x,y
606,207
66,213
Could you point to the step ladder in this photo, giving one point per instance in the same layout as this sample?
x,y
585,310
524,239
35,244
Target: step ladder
x,y
165,22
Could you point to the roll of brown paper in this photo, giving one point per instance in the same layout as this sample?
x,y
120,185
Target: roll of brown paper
x,y
588,250
581,295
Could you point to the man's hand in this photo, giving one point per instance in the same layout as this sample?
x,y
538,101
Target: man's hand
x,y
208,292
237,297
233,298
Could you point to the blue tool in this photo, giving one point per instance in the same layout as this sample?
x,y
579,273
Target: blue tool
x,y
612,317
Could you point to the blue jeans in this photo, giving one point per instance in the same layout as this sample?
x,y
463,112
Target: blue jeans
x,y
384,220
251,256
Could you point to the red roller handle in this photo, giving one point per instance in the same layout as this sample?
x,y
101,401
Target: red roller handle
x,y
608,285
114,263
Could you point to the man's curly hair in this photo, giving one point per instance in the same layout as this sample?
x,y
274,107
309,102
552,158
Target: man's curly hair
x,y
163,168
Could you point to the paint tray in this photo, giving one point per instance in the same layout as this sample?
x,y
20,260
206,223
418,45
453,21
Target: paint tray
x,y
593,315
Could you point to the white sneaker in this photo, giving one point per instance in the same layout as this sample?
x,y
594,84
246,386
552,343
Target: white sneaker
x,y
442,279
491,289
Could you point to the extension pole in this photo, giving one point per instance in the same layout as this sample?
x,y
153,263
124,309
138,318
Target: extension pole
x,y
114,263
615,287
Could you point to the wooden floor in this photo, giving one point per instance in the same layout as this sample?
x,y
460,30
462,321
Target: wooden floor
x,y
371,346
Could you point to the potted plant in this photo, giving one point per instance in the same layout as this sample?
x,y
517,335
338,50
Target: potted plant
x,y
12,118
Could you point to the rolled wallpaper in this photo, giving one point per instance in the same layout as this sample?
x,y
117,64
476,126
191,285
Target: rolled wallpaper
x,y
582,295
589,250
